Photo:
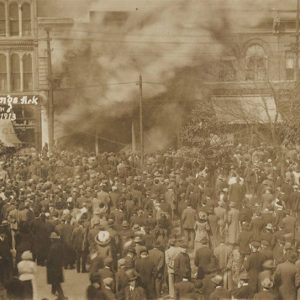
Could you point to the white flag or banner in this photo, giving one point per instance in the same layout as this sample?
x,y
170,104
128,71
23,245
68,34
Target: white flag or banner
x,y
7,134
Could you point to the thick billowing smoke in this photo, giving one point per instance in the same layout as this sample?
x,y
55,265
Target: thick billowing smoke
x,y
171,43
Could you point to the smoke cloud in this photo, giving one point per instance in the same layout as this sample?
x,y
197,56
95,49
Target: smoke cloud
x,y
173,44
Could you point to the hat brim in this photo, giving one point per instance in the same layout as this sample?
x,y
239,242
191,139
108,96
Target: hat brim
x,y
104,243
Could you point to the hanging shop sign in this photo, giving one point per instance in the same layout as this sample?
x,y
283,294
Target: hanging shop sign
x,y
7,103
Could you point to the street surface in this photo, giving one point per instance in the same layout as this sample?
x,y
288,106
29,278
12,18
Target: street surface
x,y
74,286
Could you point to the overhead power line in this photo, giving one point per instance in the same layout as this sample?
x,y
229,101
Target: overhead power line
x,y
93,86
95,39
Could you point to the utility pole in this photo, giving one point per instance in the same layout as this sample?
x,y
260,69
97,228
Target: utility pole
x,y
96,142
141,121
50,94
297,43
133,142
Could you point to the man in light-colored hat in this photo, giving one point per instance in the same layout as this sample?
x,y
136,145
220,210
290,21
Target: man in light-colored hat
x,y
220,292
266,293
108,283
243,291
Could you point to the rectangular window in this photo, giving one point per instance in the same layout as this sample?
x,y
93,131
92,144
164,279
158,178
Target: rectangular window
x,y
26,19
290,66
14,19
15,72
3,73
27,72
2,20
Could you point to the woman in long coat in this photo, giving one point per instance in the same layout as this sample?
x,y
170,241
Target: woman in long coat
x,y
201,230
55,265
233,224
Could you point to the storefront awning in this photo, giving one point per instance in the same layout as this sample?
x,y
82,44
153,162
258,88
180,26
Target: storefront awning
x,y
246,109
8,136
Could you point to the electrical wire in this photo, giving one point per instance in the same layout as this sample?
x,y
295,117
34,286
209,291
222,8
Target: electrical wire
x,y
94,86
88,134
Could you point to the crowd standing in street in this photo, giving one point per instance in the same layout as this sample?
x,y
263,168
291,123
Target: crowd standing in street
x,y
182,227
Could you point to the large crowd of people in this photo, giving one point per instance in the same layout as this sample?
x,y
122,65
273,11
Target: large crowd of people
x,y
184,226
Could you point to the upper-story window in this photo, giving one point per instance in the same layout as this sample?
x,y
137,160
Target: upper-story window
x,y
256,63
2,20
3,73
290,65
27,72
13,19
26,19
15,75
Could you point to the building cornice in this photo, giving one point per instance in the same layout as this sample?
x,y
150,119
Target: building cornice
x,y
43,21
16,43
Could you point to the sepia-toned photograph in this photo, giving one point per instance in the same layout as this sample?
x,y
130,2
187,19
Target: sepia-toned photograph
x,y
149,149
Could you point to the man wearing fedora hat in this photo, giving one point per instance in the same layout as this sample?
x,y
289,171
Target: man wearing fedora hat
x,y
284,277
55,266
133,291
94,290
253,265
220,292
121,279
106,271
182,263
188,221
204,257
108,284
185,289
146,270
265,250
158,257
267,272
243,291
266,293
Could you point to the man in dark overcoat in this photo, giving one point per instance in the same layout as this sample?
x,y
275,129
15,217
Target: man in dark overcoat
x,y
133,291
284,278
158,257
204,257
182,264
121,280
185,289
253,265
41,241
55,266
146,269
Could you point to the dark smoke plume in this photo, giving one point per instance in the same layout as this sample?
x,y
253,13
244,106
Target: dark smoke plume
x,y
173,44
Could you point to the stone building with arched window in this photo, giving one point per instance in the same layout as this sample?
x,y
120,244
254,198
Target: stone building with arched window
x,y
257,68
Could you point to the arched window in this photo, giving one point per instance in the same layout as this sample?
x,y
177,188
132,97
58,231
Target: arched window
x,y
27,72
15,75
13,19
3,73
256,63
2,20
26,19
